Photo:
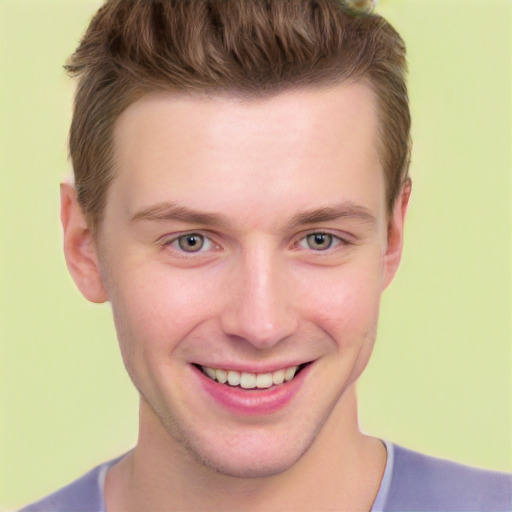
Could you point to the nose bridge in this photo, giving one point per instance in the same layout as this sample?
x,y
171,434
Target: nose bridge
x,y
260,309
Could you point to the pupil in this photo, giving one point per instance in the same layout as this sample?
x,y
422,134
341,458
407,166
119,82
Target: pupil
x,y
191,243
320,240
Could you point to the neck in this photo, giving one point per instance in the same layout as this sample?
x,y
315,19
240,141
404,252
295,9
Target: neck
x,y
343,468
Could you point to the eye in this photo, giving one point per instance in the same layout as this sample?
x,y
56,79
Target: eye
x,y
319,241
191,242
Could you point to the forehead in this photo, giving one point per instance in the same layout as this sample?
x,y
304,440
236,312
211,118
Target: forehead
x,y
222,152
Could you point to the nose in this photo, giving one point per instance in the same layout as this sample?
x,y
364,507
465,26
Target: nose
x,y
259,307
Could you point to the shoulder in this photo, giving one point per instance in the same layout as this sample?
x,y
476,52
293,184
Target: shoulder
x,y
82,495
420,482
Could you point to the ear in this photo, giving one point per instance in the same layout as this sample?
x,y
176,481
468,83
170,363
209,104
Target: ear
x,y
396,234
80,248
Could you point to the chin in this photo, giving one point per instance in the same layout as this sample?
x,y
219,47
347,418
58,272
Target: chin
x,y
250,468
248,456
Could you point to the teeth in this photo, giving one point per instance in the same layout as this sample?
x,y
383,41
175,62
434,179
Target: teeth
x,y
221,376
251,380
233,378
289,373
210,372
248,380
264,380
278,377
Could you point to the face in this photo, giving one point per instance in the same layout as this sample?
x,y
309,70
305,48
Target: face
x,y
247,241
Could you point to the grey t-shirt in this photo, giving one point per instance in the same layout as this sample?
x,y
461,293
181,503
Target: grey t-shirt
x,y
412,482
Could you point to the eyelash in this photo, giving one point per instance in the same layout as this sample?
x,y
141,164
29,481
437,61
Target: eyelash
x,y
209,241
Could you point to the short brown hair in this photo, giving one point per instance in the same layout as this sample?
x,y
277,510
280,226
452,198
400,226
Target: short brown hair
x,y
245,47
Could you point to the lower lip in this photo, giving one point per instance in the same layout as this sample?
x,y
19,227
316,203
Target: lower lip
x,y
249,402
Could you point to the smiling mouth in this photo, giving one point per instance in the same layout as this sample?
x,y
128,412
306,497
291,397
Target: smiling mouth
x,y
248,380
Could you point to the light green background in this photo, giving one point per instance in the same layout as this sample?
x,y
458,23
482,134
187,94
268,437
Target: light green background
x,y
440,380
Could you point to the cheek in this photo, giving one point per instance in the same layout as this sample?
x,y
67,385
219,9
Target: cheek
x,y
155,307
346,308
344,302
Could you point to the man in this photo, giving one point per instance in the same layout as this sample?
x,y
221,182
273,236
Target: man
x,y
241,183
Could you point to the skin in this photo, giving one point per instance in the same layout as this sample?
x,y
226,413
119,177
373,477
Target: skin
x,y
259,293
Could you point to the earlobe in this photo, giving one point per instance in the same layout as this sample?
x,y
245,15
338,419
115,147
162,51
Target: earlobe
x,y
80,248
396,234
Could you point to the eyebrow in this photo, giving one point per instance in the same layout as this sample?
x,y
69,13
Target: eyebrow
x,y
347,210
172,211
167,211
